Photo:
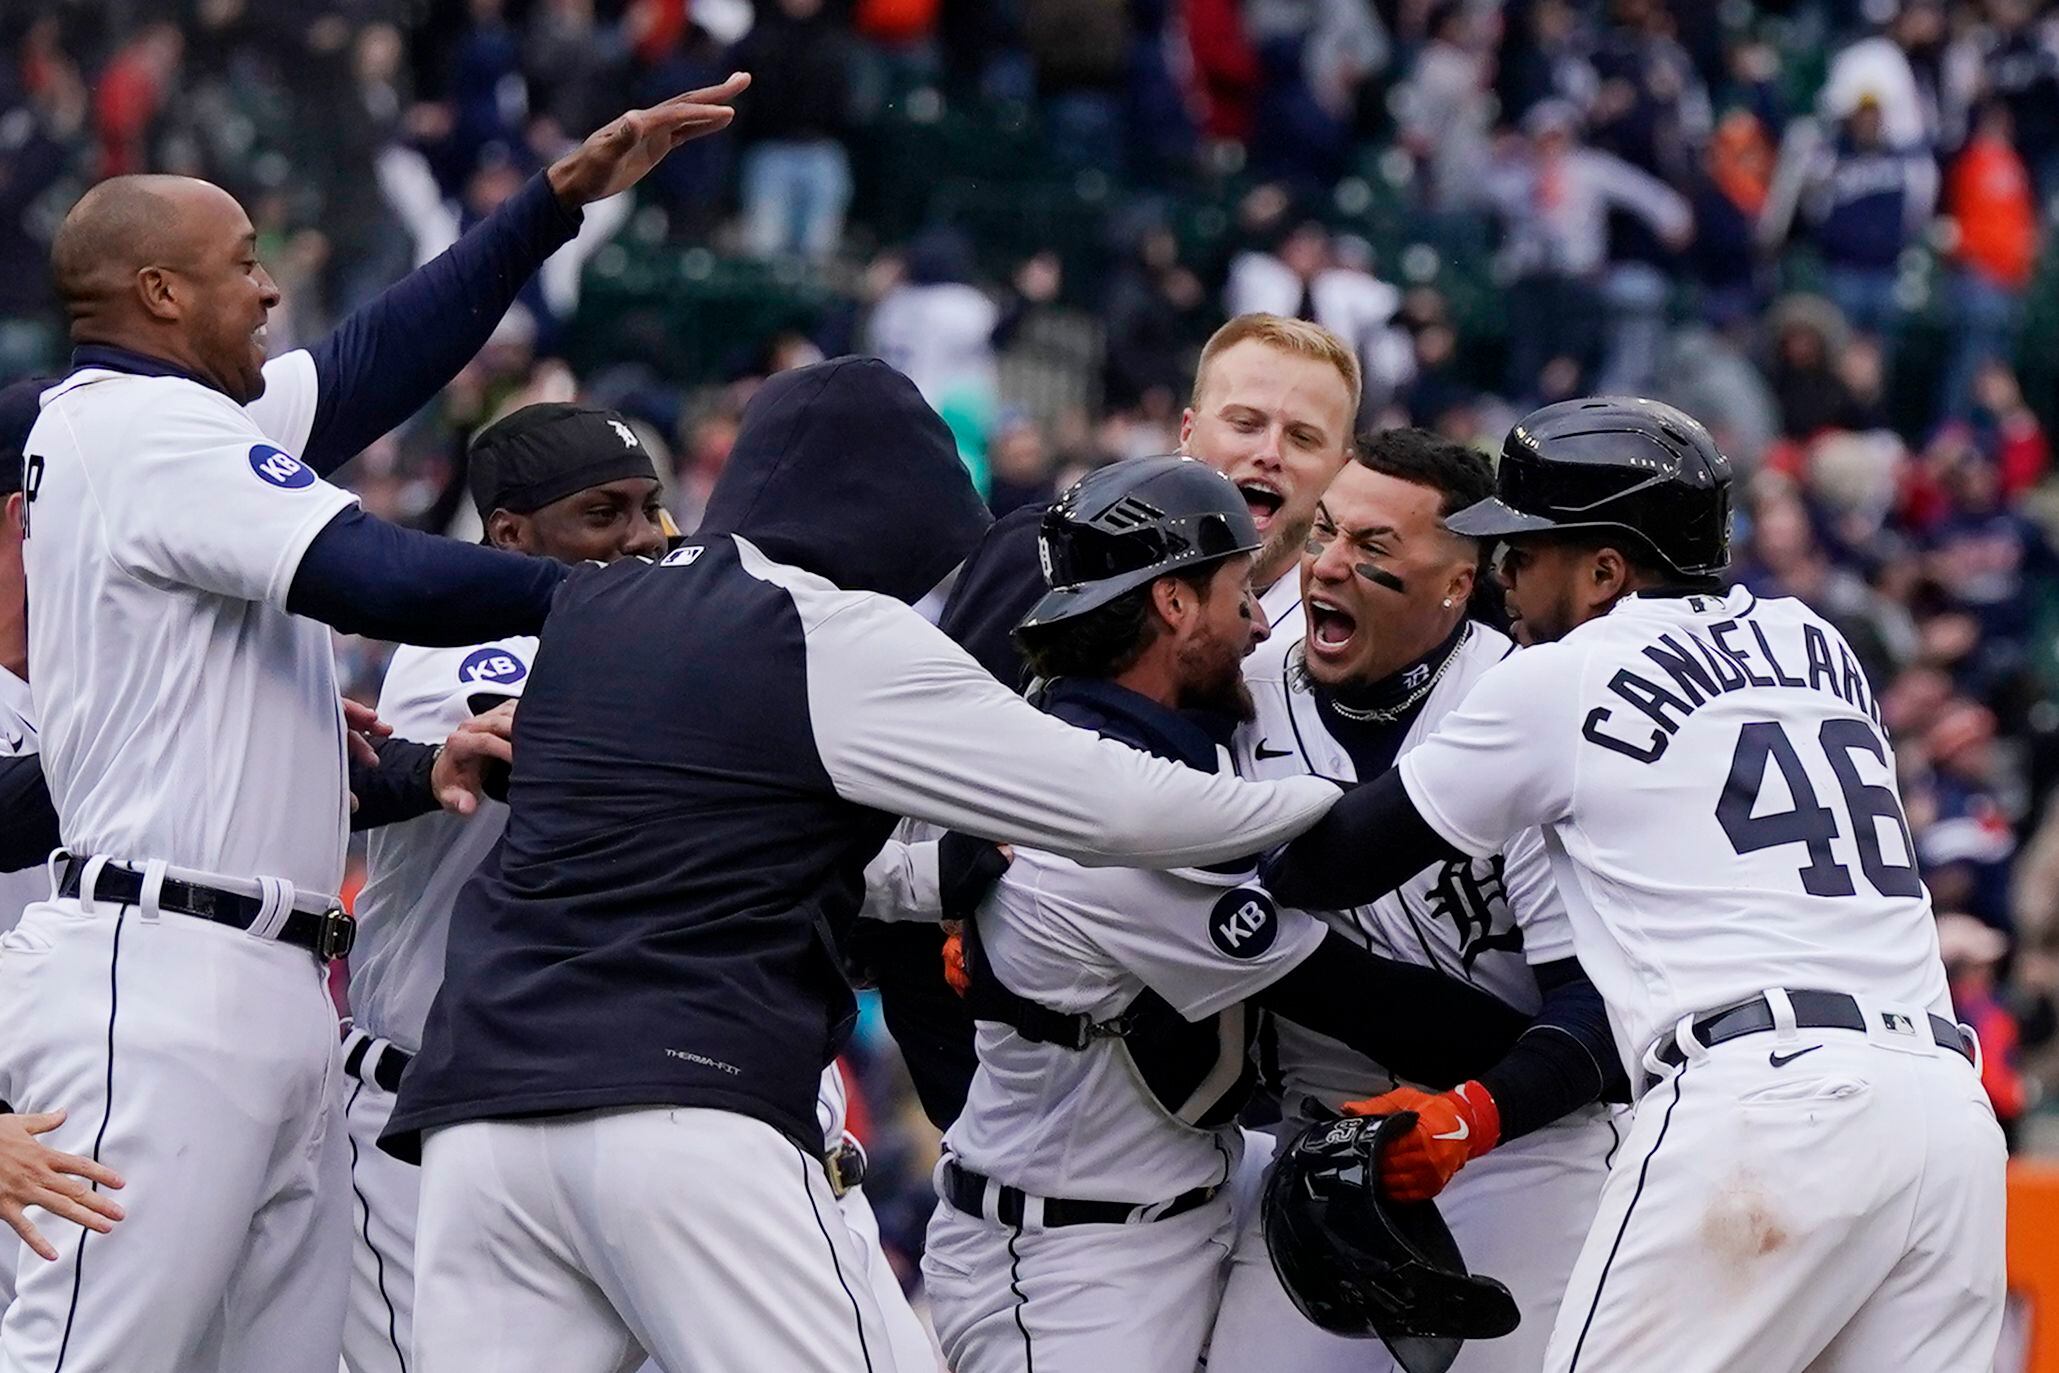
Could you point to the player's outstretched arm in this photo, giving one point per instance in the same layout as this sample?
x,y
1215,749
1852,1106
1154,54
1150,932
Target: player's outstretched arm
x,y
1371,842
1414,1021
364,576
389,358
1563,1061
33,1174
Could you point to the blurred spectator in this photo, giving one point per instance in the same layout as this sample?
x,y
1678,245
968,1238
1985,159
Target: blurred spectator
x,y
1649,106
1862,201
132,92
1305,277
1314,56
1080,51
2010,433
1544,56
1153,315
936,326
1223,68
1729,196
796,174
1021,465
484,87
1963,836
1808,335
1899,70
1554,195
1989,559
1973,954
1444,111
1988,196
575,65
42,130
2017,55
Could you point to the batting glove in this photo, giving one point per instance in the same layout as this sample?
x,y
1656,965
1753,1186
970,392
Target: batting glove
x,y
1451,1129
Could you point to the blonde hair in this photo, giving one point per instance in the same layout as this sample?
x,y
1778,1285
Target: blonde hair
x,y
1301,337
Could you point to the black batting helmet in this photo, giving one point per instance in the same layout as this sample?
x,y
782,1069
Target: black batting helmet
x,y
1361,1264
1634,467
1127,524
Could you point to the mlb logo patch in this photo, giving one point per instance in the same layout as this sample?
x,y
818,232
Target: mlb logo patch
x,y
1898,1024
683,557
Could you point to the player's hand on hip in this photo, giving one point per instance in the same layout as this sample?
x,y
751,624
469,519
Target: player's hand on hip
x,y
33,1174
622,152
1451,1129
475,750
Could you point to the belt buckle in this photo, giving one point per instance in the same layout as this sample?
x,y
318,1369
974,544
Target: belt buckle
x,y
338,935
845,1165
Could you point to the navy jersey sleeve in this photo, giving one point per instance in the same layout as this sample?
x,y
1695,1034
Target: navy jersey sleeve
x,y
28,820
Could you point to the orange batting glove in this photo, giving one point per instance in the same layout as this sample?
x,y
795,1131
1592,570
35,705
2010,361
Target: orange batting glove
x,y
955,971
1451,1129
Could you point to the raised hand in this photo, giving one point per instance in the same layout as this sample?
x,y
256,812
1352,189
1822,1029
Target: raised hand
x,y
622,152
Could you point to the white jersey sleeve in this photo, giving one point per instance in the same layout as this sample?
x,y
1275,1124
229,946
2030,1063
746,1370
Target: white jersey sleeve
x,y
1204,941
285,413
901,883
430,692
911,725
1503,761
203,506
1533,899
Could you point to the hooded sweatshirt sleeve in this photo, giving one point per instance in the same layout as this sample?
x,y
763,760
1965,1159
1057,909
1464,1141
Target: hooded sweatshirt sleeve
x,y
906,722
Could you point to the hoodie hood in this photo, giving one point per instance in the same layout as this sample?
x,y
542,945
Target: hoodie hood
x,y
1001,581
843,470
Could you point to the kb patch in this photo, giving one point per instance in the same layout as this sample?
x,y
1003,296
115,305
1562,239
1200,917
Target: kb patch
x,y
279,467
1244,923
495,665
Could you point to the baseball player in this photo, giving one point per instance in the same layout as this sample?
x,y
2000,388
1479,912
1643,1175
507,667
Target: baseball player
x,y
1389,653
24,801
184,559
1084,1221
559,481
618,1081
1274,405
1813,1177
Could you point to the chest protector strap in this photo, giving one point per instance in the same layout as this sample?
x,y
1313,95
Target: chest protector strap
x,y
1201,1073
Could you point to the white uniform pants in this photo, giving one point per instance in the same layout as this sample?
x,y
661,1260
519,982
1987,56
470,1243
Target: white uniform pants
x,y
199,1062
1839,1212
1076,1298
575,1244
1519,1213
378,1336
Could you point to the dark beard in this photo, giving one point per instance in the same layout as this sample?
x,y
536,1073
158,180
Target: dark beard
x,y
1213,680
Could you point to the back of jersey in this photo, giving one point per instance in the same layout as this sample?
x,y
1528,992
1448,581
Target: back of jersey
x,y
1718,797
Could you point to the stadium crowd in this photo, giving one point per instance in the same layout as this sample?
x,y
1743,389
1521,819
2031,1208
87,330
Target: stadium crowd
x,y
1818,226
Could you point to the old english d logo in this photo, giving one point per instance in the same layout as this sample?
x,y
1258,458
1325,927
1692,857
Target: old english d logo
x,y
1244,923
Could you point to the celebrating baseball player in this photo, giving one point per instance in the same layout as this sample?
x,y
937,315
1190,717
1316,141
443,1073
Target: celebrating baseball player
x,y
1084,1220
184,559
1273,408
1813,1177
617,1082
1389,653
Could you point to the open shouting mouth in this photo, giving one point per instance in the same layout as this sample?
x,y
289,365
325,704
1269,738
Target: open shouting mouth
x,y
1331,628
1263,499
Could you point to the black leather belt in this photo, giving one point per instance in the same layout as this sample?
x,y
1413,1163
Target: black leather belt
x,y
391,1062
326,934
967,1191
1812,1011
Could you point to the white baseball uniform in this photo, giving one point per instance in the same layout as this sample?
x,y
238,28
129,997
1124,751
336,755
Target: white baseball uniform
x,y
1718,801
17,889
186,720
1520,1213
414,872
1083,1125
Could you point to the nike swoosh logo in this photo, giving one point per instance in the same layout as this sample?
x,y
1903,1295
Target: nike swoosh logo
x,y
1464,1131
1779,1060
1262,752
